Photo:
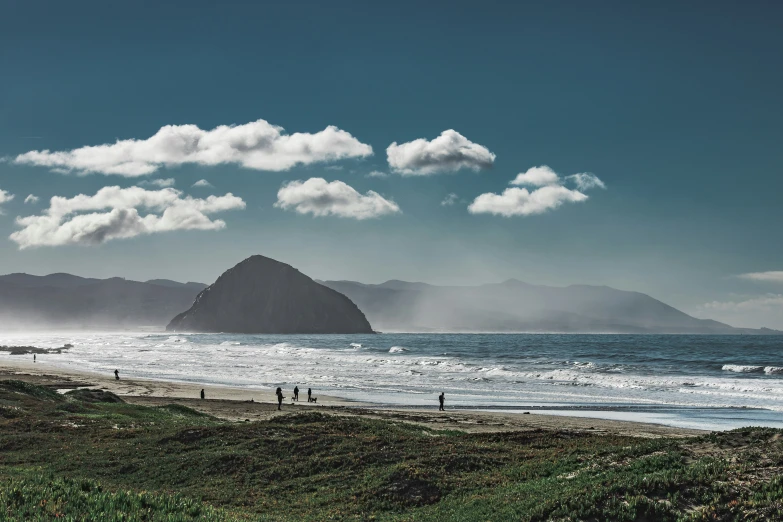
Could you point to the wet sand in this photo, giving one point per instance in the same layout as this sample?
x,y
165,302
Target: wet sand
x,y
240,404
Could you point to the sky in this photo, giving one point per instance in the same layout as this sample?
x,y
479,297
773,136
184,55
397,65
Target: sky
x,y
557,143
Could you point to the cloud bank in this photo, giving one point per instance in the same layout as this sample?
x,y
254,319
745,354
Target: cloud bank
x,y
550,193
113,213
257,145
750,312
449,200
5,197
521,202
449,152
586,181
318,197
767,277
162,183
537,177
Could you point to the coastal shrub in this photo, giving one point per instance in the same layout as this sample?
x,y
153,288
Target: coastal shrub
x,y
93,395
179,409
29,390
33,499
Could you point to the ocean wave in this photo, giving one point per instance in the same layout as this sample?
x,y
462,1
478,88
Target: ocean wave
x,y
475,376
739,368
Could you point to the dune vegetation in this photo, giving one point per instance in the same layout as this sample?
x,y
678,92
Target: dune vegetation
x,y
88,455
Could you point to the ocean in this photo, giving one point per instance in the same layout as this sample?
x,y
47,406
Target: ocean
x,y
698,381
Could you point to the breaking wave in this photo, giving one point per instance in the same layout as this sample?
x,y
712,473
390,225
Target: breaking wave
x,y
738,368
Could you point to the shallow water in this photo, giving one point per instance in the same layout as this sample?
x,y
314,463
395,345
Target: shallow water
x,y
679,380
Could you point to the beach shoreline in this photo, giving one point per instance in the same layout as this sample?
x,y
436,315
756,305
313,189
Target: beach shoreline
x,y
253,404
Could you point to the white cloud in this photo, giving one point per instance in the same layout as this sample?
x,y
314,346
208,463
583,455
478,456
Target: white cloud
x,y
334,167
586,181
749,312
257,145
318,197
449,152
162,183
377,174
202,183
520,202
550,194
449,200
537,177
5,197
767,277
113,213
31,198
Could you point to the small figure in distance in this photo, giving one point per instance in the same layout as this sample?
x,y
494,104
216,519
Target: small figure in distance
x,y
296,393
309,395
117,375
441,398
279,393
202,393
33,357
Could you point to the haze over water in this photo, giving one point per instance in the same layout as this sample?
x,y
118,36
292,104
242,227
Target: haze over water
x,y
714,382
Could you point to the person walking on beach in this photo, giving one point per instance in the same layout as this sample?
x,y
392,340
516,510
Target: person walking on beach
x,y
202,393
296,393
441,398
309,395
279,393
33,357
117,375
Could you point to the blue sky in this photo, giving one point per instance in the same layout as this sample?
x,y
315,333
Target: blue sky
x,y
675,107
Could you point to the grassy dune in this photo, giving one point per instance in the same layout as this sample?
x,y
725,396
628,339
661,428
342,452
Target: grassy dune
x,y
89,456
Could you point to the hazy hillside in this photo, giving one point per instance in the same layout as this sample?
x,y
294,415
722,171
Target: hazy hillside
x,y
514,306
58,301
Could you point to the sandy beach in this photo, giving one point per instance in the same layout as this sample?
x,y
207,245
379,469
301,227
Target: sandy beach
x,y
241,404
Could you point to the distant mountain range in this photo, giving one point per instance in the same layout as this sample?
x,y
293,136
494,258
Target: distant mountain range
x,y
514,306
59,301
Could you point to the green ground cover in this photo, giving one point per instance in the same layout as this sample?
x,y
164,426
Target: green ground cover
x,y
89,456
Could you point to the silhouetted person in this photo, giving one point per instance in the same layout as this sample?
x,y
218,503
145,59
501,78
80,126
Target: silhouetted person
x,y
279,398
117,374
309,395
441,398
33,357
296,393
202,393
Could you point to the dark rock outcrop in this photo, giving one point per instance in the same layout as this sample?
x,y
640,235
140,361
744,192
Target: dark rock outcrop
x,y
261,295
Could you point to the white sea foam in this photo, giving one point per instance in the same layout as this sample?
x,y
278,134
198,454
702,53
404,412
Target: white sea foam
x,y
230,343
738,368
773,370
397,349
355,345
